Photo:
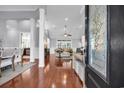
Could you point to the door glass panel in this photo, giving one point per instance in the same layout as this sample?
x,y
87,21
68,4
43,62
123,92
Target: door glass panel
x,y
98,38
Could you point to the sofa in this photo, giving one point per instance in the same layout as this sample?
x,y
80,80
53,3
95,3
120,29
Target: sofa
x,y
63,52
10,56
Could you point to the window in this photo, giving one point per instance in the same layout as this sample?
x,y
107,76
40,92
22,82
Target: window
x,y
64,44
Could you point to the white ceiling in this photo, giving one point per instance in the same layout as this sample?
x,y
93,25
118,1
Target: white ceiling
x,y
55,20
20,7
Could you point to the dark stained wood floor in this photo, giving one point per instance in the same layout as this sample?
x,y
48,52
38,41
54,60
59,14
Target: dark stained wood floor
x,y
57,73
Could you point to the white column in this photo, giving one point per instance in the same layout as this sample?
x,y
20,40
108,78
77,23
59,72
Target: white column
x,y
41,37
32,44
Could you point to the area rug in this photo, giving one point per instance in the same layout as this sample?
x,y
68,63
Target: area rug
x,y
9,74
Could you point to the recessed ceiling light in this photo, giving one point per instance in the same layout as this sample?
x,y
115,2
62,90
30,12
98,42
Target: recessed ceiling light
x,y
66,19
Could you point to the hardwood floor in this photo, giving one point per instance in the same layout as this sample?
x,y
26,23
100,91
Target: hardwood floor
x,y
57,73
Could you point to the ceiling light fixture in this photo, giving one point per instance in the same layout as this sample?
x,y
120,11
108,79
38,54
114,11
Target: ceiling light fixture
x,y
66,34
65,28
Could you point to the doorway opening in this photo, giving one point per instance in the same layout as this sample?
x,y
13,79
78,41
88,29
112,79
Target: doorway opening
x,y
25,40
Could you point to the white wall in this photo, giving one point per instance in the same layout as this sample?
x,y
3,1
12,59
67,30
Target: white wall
x,y
52,45
10,31
36,43
2,31
36,52
11,36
